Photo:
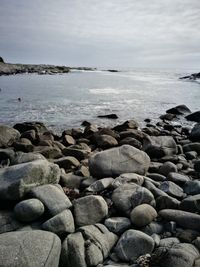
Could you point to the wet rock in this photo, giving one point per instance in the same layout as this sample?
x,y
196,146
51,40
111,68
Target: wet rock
x,y
195,116
143,215
85,210
29,248
29,210
8,135
62,223
185,219
141,243
117,225
52,197
159,146
108,116
116,161
179,110
130,124
18,180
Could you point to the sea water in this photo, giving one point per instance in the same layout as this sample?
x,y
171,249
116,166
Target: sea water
x,y
64,101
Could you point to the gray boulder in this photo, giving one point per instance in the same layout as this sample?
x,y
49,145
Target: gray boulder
x,y
143,215
21,157
18,180
177,178
128,178
195,133
179,110
87,247
167,167
62,223
133,244
29,210
172,189
115,161
29,248
52,197
8,135
142,195
159,146
100,185
121,198
182,254
89,210
185,219
192,187
191,203
117,225
167,202
8,222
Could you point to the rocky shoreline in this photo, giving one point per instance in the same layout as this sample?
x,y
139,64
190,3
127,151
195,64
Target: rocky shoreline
x,y
120,196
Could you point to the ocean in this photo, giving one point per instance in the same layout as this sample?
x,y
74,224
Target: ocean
x,y
64,101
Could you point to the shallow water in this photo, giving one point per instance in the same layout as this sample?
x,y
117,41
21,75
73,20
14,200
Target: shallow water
x,y
64,101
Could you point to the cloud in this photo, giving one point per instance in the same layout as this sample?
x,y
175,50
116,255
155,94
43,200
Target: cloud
x,y
97,33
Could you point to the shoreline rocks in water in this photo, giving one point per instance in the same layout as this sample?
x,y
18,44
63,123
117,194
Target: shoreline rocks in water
x,y
120,196
41,69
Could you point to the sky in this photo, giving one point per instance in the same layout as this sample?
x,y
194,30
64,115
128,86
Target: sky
x,y
101,33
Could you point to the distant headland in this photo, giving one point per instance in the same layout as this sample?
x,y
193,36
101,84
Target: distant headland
x,y
41,69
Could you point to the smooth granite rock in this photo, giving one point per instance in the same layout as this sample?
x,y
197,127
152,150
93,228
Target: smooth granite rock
x,y
29,249
53,198
8,135
116,161
133,244
29,210
89,210
18,180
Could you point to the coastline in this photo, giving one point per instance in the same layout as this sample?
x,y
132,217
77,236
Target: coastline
x,y
106,186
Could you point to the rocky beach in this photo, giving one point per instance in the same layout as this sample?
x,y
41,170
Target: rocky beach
x,y
92,196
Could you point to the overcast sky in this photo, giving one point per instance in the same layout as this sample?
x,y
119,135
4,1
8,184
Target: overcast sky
x,y
102,33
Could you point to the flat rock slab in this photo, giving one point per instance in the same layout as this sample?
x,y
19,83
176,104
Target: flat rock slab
x,y
29,249
119,160
53,198
17,180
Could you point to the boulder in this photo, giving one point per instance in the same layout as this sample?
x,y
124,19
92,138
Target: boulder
x,y
121,198
185,219
115,161
39,127
133,244
131,141
21,157
168,167
62,223
167,202
8,135
195,133
172,189
182,254
29,210
192,187
52,197
195,116
191,203
117,225
19,179
105,141
178,178
100,185
179,110
8,222
29,248
67,163
89,210
88,247
143,215
142,195
159,146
